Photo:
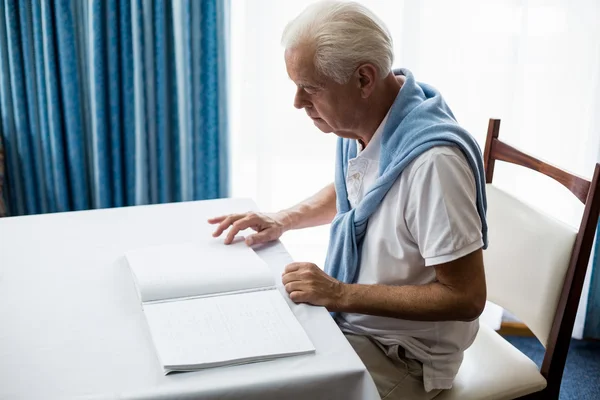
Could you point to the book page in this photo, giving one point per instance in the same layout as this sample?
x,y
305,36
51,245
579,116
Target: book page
x,y
184,270
220,330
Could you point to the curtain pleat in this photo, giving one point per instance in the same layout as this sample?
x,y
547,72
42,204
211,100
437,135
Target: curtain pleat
x,y
196,100
210,95
184,163
98,105
127,103
16,191
150,90
162,104
174,24
70,83
81,24
223,46
26,171
114,99
60,179
35,140
49,201
139,83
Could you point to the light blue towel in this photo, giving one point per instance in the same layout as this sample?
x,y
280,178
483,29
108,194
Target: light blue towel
x,y
418,120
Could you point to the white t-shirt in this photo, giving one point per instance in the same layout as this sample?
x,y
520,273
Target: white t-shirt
x,y
428,217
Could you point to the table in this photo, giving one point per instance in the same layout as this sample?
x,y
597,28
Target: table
x,y
72,325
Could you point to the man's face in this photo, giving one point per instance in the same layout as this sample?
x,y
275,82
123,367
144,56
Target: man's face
x,y
331,106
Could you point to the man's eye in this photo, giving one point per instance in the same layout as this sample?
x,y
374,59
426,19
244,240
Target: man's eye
x,y
310,90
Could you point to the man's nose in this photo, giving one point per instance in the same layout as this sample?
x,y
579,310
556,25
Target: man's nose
x,y
299,99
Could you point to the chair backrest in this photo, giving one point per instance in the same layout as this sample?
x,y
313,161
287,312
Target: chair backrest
x,y
526,261
535,265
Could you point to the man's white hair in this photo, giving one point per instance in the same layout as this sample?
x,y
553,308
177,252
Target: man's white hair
x,y
344,35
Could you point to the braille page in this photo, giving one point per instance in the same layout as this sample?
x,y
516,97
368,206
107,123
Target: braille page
x,y
168,272
232,329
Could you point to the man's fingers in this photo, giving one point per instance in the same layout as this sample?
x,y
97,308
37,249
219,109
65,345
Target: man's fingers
x,y
216,220
295,266
239,225
298,296
262,237
229,219
294,286
290,277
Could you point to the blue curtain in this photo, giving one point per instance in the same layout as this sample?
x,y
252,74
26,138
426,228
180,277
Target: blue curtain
x,y
107,103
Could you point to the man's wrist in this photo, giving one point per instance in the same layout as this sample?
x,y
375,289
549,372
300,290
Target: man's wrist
x,y
346,294
286,219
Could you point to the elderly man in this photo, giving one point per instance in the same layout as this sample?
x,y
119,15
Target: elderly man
x,y
404,275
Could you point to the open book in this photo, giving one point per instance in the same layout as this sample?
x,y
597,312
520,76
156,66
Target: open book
x,y
209,305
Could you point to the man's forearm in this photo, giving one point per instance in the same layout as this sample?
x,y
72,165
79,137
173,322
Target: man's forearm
x,y
431,302
316,210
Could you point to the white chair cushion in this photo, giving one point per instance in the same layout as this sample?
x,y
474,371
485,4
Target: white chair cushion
x,y
493,369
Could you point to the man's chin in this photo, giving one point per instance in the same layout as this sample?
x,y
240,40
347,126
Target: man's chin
x,y
322,125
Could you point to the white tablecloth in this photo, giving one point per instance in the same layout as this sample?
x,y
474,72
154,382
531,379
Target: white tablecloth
x,y
71,324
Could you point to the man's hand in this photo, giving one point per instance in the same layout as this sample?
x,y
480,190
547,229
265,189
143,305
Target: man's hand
x,y
307,283
269,226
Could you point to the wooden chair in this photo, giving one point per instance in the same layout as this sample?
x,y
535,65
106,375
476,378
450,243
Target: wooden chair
x,y
535,267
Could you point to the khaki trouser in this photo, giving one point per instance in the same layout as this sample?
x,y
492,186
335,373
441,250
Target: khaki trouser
x,y
396,377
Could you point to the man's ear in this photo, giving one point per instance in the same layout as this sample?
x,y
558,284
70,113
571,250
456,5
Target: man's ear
x,y
367,77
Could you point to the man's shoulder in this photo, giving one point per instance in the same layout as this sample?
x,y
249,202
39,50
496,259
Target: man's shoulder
x,y
436,157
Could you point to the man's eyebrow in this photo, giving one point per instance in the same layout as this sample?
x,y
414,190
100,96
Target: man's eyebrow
x,y
309,85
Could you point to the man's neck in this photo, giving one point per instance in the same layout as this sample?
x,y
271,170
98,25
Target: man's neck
x,y
379,106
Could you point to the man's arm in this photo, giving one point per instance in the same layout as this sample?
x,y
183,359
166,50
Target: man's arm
x,y
458,294
318,209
